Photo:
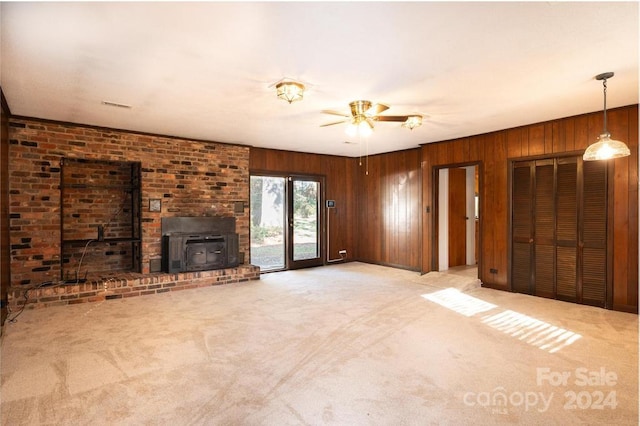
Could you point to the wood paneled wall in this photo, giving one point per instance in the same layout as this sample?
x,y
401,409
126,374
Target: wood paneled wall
x,y
389,210
5,275
340,186
568,135
377,217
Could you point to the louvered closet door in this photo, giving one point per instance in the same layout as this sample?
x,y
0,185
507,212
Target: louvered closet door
x,y
544,249
559,229
522,227
566,228
594,233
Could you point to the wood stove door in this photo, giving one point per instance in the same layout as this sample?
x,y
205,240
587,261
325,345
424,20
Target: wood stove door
x,y
216,254
195,256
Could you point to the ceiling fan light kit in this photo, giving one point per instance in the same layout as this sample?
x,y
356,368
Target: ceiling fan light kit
x,y
360,121
290,91
605,148
360,126
360,108
364,113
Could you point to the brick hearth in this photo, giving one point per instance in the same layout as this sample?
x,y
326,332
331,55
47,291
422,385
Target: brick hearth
x,y
127,285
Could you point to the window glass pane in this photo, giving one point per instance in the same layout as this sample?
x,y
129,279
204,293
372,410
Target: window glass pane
x,y
267,222
305,220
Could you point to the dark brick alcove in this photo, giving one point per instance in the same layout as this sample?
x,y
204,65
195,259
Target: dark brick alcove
x,y
100,218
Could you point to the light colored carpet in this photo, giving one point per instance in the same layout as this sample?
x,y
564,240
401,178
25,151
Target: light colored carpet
x,y
347,344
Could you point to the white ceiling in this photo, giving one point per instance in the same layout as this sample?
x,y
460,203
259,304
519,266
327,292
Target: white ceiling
x,y
206,70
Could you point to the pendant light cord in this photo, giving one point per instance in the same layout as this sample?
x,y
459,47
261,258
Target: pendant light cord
x,y
604,84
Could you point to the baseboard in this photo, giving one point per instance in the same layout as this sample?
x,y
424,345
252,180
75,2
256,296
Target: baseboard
x,y
390,265
3,331
495,286
626,308
4,316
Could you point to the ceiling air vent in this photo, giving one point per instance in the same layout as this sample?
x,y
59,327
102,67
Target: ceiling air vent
x,y
116,104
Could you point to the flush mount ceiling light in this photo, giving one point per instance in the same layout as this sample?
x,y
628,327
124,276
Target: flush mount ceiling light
x,y
605,148
289,90
412,122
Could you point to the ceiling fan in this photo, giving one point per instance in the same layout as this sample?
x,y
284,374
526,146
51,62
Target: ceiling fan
x,y
364,113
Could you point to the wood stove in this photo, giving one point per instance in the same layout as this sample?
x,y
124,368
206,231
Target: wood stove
x,y
198,243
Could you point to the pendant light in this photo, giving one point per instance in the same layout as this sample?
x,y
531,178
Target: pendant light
x,y
605,148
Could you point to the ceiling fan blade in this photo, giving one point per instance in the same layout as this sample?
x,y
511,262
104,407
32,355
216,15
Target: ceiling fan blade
x,y
398,118
376,109
335,122
342,114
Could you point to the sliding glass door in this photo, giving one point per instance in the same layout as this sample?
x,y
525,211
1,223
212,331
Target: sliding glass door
x,y
286,218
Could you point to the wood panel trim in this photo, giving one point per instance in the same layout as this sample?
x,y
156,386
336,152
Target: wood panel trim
x,y
631,309
130,132
5,243
435,190
609,176
634,223
4,104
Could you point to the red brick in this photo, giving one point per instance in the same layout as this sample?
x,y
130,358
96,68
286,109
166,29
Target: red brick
x,y
190,160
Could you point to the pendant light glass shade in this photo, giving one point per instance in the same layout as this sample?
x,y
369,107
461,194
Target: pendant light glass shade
x,y
605,148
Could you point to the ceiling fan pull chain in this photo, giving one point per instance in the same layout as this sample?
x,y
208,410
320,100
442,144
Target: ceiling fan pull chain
x,y
367,158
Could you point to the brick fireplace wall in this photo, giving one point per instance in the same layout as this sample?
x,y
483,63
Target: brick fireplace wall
x,y
191,178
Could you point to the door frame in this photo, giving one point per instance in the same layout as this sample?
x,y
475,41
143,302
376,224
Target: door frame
x,y
459,221
289,264
435,223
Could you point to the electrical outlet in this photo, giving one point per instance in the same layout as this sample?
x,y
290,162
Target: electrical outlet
x,y
493,271
342,252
